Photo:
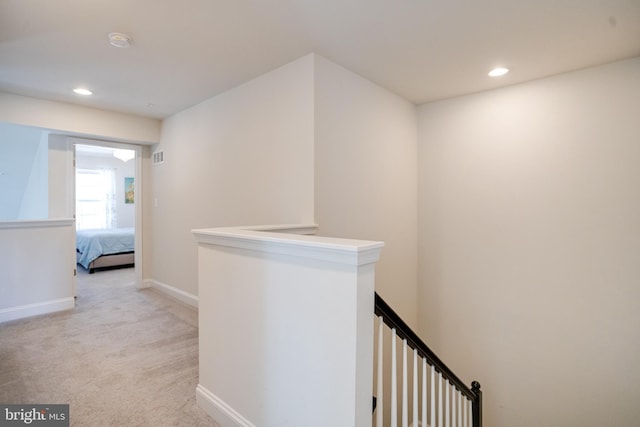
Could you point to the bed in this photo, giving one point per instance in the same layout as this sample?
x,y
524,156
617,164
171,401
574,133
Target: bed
x,y
108,248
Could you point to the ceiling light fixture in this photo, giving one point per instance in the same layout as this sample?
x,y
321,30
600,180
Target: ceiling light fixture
x,y
124,155
497,72
83,91
119,40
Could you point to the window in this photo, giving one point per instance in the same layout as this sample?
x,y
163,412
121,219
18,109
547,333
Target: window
x,y
95,199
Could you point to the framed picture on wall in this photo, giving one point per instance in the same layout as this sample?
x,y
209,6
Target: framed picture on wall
x,y
128,190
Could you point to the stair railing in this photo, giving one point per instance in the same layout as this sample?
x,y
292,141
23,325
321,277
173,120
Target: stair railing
x,y
447,402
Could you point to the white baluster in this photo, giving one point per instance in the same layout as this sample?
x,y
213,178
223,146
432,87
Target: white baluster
x,y
447,414
379,389
394,381
460,409
440,401
405,399
467,413
424,392
454,390
464,412
414,421
433,397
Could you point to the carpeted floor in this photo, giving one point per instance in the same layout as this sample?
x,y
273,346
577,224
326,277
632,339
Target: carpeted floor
x,y
123,357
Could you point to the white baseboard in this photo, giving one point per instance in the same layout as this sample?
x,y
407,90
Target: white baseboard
x,y
176,293
28,310
217,409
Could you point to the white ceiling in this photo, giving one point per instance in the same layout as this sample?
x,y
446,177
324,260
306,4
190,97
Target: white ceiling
x,y
185,51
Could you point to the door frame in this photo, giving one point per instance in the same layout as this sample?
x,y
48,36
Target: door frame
x,y
72,141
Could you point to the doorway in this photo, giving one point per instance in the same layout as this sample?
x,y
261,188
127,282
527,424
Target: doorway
x,y
107,205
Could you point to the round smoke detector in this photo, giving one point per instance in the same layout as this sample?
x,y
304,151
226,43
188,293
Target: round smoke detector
x,y
119,40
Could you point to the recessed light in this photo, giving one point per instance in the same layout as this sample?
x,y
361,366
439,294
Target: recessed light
x,y
497,72
83,91
119,40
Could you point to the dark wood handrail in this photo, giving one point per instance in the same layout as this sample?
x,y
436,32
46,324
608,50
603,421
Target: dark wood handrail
x,y
404,331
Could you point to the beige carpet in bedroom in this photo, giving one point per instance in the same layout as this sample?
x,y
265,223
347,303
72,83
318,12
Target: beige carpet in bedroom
x,y
123,357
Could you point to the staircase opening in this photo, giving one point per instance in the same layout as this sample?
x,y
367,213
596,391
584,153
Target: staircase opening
x,y
437,396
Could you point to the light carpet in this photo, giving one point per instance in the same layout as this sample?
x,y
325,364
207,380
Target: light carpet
x,y
123,357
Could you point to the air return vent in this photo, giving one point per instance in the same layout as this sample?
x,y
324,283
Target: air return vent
x,y
158,157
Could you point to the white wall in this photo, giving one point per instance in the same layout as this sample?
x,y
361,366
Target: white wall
x,y
37,261
77,120
21,164
37,257
308,134
243,157
286,331
529,257
61,191
35,201
366,175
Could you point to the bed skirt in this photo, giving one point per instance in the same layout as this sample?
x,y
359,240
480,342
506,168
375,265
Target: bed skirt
x,y
106,262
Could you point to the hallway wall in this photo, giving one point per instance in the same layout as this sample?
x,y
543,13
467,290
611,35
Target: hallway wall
x,y
529,256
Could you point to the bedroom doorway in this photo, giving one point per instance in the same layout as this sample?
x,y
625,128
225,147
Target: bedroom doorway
x,y
107,200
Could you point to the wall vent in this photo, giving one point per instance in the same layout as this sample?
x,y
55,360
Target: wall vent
x,y
158,157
